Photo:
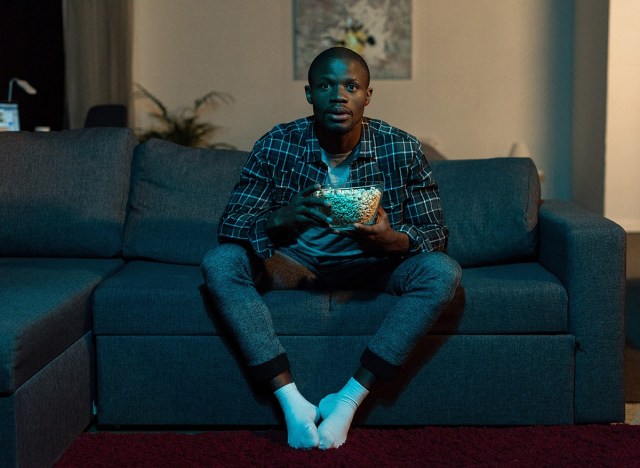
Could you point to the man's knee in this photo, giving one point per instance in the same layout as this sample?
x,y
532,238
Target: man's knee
x,y
224,260
440,267
447,267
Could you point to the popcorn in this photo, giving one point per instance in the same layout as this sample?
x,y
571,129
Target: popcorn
x,y
352,205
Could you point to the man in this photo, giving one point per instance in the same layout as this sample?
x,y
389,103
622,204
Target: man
x,y
275,234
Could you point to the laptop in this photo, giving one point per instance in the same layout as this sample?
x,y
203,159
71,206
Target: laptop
x,y
9,117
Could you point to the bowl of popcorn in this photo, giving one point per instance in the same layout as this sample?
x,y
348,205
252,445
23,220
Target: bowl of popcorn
x,y
356,202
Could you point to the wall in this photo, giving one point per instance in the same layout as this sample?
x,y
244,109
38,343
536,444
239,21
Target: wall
x,y
486,73
622,190
606,115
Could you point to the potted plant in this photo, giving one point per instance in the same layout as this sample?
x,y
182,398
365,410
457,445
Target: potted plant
x,y
184,126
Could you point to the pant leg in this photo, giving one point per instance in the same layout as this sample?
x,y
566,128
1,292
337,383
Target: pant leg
x,y
426,284
235,276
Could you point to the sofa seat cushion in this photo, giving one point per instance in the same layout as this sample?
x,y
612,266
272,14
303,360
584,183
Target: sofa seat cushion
x,y
150,298
177,197
520,298
491,209
44,309
64,194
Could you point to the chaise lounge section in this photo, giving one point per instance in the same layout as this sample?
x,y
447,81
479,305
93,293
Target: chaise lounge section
x,y
63,201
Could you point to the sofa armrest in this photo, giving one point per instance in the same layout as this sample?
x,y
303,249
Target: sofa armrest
x,y
587,253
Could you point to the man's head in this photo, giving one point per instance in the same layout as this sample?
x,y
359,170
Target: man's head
x,y
339,91
341,53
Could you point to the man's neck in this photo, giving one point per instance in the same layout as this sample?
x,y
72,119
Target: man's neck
x,y
334,160
338,144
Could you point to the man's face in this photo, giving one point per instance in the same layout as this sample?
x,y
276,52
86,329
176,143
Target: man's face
x,y
339,92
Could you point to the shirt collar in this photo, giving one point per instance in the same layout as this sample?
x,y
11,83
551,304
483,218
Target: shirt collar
x,y
312,148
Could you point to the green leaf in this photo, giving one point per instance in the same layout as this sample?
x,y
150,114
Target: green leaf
x,y
184,126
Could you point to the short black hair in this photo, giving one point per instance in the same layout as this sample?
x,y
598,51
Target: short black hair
x,y
341,53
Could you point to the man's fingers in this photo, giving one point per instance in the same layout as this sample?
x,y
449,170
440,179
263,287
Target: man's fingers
x,y
307,191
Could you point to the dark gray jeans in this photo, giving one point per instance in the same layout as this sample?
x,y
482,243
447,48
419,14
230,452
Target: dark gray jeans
x,y
426,283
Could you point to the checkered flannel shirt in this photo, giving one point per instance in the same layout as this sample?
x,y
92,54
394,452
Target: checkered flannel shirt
x,y
287,159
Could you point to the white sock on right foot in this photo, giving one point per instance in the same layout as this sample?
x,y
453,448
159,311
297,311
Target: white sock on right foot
x,y
300,416
337,411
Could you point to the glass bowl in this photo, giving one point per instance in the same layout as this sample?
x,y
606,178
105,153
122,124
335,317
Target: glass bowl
x,y
355,202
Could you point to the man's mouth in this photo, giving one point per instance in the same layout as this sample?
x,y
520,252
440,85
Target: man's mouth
x,y
339,114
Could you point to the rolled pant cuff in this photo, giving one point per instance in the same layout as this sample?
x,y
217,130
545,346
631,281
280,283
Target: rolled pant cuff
x,y
268,370
378,366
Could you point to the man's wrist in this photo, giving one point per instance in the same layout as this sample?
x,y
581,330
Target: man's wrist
x,y
277,231
274,226
400,244
404,243
272,221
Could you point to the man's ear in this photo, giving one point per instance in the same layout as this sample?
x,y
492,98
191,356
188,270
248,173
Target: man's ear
x,y
307,92
369,94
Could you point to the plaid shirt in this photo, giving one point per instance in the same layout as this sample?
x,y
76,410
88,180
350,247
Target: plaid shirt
x,y
288,159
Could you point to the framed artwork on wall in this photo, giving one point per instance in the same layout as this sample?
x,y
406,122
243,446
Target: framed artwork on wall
x,y
379,30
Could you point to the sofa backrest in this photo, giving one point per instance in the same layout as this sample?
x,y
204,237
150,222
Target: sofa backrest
x,y
64,194
177,197
491,209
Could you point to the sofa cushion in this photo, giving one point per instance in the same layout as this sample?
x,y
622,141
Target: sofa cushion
x,y
64,193
177,197
491,209
517,298
151,298
44,309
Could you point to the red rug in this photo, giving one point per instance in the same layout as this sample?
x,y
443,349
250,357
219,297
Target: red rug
x,y
566,446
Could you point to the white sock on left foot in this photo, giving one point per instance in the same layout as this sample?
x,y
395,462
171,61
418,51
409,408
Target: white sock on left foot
x,y
337,411
300,416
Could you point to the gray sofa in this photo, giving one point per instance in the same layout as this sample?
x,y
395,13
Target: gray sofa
x,y
104,317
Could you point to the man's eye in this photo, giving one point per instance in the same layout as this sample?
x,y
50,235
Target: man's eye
x,y
325,86
352,87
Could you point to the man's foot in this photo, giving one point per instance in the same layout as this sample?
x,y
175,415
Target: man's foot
x,y
337,411
300,416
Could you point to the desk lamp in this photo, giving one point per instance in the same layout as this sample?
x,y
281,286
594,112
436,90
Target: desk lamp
x,y
23,84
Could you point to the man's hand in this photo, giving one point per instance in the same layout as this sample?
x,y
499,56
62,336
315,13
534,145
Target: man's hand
x,y
303,210
380,236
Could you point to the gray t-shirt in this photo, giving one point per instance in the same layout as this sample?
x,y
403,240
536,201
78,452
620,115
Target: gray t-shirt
x,y
323,246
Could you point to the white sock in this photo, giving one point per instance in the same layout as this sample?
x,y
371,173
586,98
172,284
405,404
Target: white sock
x,y
337,412
300,416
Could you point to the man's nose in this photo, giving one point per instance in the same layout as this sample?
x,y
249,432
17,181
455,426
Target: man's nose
x,y
339,94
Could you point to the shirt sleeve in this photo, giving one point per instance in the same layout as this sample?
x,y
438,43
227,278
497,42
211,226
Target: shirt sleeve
x,y
250,204
424,220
